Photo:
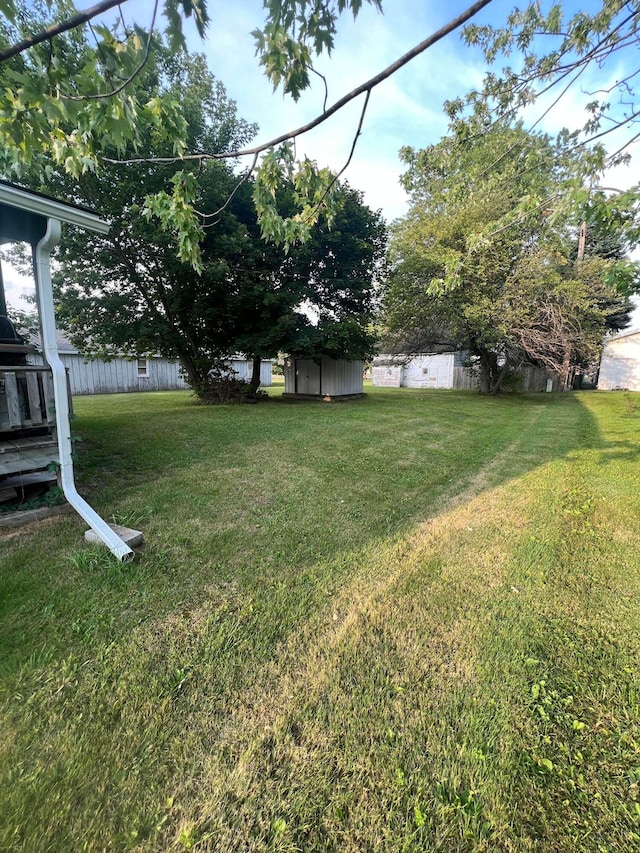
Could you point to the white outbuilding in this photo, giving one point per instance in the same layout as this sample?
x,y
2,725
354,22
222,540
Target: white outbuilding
x,y
620,363
120,374
447,370
324,379
424,370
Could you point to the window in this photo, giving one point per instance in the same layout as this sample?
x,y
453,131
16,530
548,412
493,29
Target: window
x,y
143,367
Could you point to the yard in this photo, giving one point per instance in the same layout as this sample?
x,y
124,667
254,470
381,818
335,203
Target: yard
x,y
406,623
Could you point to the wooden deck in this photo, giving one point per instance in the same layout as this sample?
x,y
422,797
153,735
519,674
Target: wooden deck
x,y
26,398
27,454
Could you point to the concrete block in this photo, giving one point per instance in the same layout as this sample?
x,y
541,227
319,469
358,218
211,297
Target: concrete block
x,y
133,538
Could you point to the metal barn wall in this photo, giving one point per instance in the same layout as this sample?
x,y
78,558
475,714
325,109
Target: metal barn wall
x,y
289,371
620,365
338,377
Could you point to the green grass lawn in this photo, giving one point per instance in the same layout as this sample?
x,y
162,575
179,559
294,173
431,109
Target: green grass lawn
x,y
409,622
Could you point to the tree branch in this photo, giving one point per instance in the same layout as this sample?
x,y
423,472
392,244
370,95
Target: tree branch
x,y
336,177
131,77
217,212
370,84
57,29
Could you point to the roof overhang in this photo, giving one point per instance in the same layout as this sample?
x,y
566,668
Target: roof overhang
x,y
24,214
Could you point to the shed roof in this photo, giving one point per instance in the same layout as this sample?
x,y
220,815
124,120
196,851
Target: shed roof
x,y
618,336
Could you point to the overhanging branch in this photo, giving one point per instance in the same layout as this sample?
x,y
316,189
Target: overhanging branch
x,y
57,29
370,84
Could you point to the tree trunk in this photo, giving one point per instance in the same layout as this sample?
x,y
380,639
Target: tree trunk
x,y
194,375
190,371
497,385
487,371
566,369
255,374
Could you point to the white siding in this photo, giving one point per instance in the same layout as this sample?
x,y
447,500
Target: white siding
x,y
119,375
620,365
420,371
429,371
93,376
243,368
386,375
443,370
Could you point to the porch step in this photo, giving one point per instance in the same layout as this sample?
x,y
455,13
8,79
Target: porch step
x,y
25,455
32,479
19,445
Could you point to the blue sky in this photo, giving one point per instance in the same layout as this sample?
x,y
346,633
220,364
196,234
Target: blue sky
x,y
404,110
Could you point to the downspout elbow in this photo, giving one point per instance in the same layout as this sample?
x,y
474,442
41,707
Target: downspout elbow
x,y
42,252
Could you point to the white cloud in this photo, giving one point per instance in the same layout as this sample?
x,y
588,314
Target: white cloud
x,y
403,110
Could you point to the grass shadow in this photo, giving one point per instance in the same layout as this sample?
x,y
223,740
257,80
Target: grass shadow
x,y
264,497
258,521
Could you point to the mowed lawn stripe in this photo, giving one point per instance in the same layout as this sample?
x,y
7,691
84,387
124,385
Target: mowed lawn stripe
x,y
364,680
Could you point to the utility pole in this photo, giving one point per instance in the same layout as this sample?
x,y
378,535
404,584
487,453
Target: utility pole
x,y
582,239
566,367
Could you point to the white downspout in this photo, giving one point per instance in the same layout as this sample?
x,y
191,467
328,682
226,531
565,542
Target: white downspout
x,y
44,291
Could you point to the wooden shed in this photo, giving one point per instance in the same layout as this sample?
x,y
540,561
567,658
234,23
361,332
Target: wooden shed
x,y
323,379
34,400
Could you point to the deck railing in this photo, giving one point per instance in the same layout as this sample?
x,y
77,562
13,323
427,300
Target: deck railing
x,y
26,397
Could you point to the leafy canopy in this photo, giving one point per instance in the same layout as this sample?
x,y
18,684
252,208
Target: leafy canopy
x,y
68,98
128,292
485,258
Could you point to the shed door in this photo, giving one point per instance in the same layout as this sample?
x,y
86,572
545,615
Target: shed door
x,y
307,377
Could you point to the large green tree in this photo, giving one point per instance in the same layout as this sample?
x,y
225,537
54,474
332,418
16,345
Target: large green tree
x,y
483,260
128,292
72,98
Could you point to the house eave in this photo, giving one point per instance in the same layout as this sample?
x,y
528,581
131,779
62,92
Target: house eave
x,y
42,205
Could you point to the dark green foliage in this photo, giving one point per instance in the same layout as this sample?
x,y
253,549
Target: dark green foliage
x,y
128,292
